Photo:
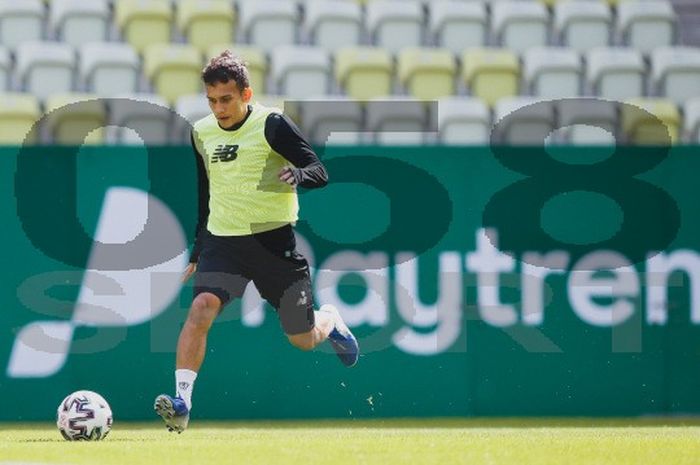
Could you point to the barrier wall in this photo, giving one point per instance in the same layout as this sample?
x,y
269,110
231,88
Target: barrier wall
x,y
479,282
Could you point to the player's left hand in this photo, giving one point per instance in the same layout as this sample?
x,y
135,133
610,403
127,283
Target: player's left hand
x,y
287,175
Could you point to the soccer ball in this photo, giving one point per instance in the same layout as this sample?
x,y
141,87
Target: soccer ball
x,y
84,416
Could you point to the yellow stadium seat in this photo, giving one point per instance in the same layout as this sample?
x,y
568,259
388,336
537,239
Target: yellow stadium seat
x,y
364,72
18,113
255,59
427,73
174,70
491,73
640,121
76,119
204,22
144,22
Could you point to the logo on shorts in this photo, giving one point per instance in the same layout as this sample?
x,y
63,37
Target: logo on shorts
x,y
303,300
224,153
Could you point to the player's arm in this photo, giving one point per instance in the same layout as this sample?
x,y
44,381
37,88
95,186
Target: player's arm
x,y
286,139
203,208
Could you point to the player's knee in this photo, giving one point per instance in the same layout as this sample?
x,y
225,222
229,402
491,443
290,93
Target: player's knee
x,y
205,308
303,341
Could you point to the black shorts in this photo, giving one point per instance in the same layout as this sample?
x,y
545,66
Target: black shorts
x,y
228,263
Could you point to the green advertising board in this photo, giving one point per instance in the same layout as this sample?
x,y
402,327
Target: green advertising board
x,y
479,281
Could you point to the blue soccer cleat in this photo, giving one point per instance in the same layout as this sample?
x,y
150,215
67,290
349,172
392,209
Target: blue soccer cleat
x,y
342,339
173,411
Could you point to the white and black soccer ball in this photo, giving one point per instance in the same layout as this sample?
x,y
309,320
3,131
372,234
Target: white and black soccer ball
x,y
84,416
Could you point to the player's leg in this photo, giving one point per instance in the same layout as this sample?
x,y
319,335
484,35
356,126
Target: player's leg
x,y
281,274
217,281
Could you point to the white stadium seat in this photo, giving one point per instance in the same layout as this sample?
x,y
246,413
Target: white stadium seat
x,y
331,120
675,72
588,121
692,120
397,121
523,120
268,23
149,113
20,21
300,71
645,25
553,72
519,25
78,21
45,68
615,73
109,68
582,25
395,24
463,121
332,24
456,25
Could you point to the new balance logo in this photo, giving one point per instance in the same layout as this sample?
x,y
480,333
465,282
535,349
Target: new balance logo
x,y
224,153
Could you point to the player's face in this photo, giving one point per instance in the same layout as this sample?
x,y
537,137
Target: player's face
x,y
228,103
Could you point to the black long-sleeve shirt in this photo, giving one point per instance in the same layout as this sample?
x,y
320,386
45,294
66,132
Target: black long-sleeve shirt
x,y
286,139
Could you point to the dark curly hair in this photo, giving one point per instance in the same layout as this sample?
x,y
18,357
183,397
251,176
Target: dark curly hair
x,y
224,68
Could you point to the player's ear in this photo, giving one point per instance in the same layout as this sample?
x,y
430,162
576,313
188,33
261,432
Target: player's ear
x,y
247,94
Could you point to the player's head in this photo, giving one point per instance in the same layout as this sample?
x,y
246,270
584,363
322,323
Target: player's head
x,y
228,88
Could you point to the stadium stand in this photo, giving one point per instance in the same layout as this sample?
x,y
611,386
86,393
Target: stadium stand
x,y
588,121
692,120
530,125
650,121
463,121
478,52
139,118
75,119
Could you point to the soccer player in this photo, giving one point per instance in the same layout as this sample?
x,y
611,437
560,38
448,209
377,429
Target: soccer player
x,y
250,160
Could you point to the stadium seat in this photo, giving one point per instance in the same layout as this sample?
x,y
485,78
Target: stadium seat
x,y
397,121
77,22
523,121
456,25
300,71
491,73
519,25
675,72
332,24
395,24
427,73
588,121
331,120
75,119
269,23
615,73
20,21
692,120
5,69
255,59
174,70
463,121
650,121
552,72
364,72
582,25
206,22
192,108
45,68
645,25
144,22
18,113
109,68
148,114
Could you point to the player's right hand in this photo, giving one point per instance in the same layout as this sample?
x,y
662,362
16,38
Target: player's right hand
x,y
189,271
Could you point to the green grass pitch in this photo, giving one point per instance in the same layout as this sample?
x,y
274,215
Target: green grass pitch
x,y
382,442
